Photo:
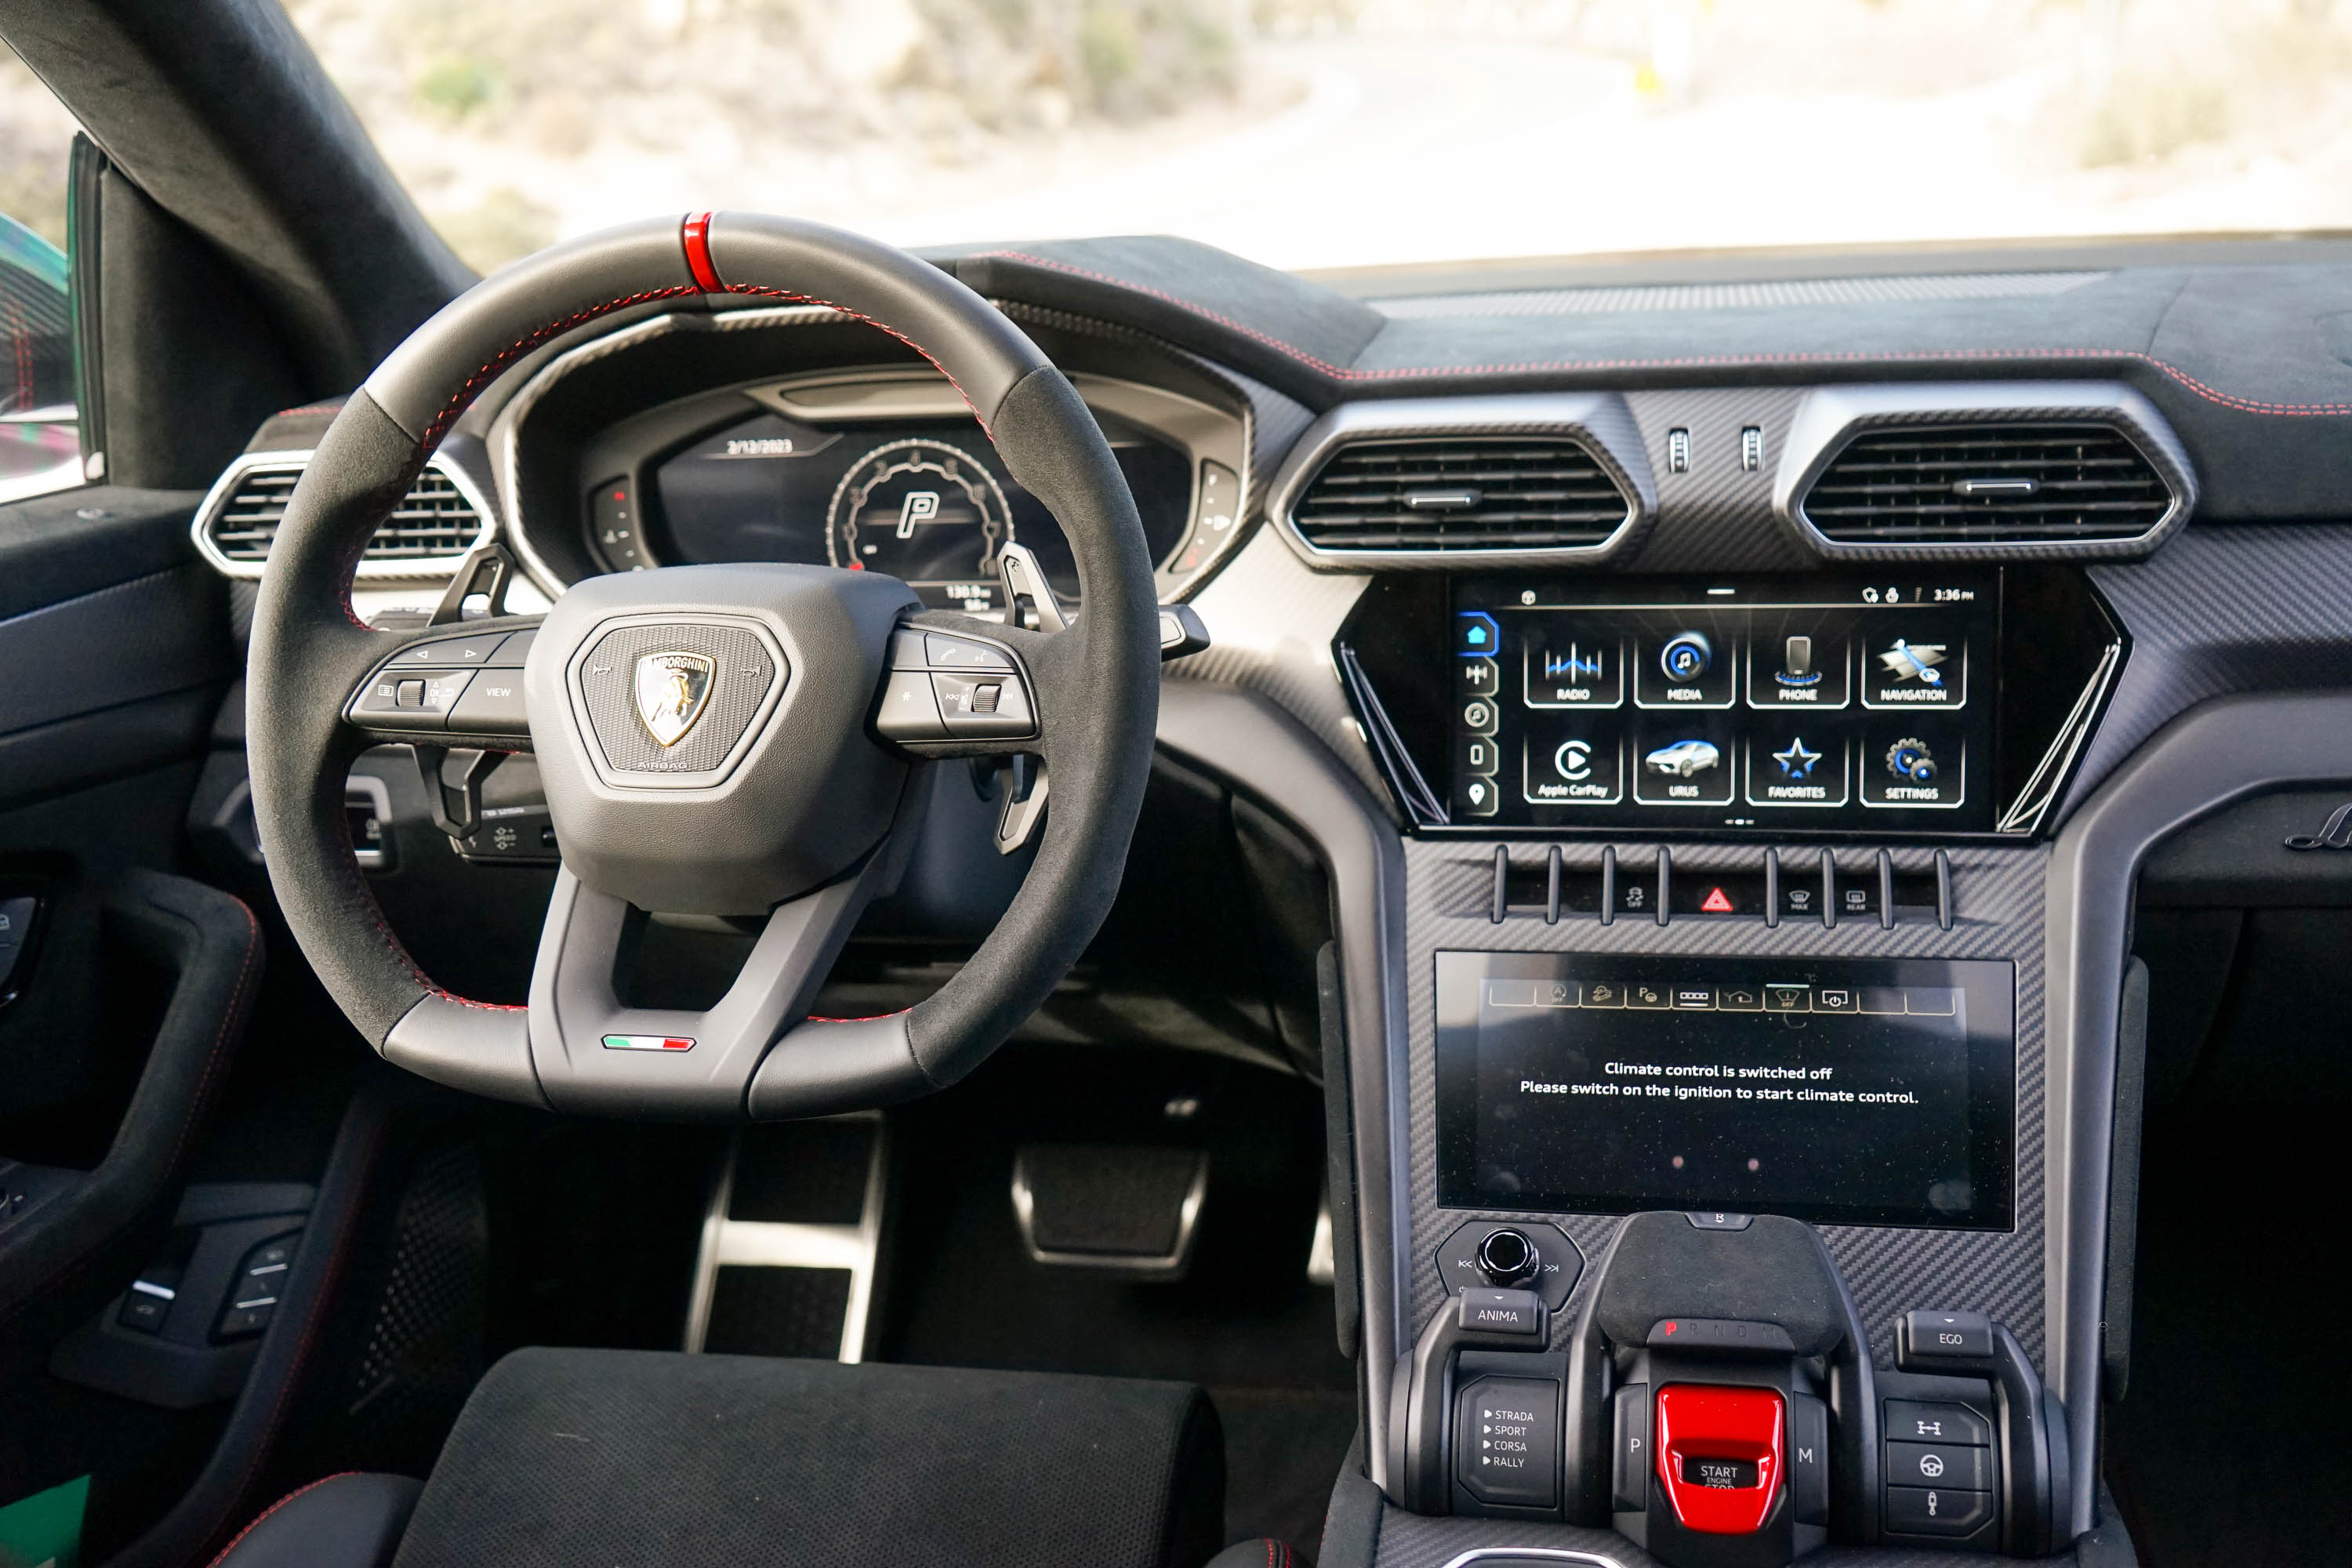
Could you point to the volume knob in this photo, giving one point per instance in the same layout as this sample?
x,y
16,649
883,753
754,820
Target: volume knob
x,y
1507,1257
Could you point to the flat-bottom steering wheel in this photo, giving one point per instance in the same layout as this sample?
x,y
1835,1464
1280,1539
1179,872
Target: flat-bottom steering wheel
x,y
728,740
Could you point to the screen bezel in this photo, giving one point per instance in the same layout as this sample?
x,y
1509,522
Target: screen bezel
x,y
1991,986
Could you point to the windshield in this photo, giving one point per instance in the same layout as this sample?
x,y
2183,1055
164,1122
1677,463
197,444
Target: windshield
x,y
1351,134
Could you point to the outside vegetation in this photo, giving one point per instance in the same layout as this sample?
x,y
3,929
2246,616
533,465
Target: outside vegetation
x,y
1336,133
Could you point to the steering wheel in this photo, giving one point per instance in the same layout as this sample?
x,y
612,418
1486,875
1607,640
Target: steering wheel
x,y
725,741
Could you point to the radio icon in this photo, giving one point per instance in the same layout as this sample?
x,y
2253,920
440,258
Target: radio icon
x,y
1572,666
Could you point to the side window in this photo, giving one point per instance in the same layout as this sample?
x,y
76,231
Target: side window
x,y
40,434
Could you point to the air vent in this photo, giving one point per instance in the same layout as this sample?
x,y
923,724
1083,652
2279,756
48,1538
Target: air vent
x,y
1990,484
435,521
1461,493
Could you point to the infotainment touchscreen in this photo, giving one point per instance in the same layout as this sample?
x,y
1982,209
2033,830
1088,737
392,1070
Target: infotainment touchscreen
x,y
1819,705
1857,1092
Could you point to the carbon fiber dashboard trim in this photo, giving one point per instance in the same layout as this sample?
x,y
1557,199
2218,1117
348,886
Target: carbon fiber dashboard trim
x,y
1999,914
1831,417
1271,624
1717,516
2220,610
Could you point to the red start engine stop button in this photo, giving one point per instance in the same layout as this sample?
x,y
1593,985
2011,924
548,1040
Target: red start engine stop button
x,y
1719,1455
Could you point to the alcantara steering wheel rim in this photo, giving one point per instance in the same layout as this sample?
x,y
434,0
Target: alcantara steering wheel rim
x,y
825,643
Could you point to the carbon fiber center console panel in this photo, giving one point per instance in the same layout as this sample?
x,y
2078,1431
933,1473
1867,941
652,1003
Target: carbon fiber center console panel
x,y
1998,914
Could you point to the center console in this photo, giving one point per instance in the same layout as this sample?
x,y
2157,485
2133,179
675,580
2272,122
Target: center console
x,y
1718,1153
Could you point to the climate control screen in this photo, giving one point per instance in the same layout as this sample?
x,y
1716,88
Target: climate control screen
x,y
1861,1091
1706,706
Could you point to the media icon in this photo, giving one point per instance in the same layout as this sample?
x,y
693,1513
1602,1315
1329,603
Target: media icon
x,y
1574,761
1686,656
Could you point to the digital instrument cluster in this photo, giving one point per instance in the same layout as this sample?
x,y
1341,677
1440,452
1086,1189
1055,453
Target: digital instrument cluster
x,y
926,501
1708,706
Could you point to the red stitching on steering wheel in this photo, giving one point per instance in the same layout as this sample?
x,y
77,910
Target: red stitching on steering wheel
x,y
491,368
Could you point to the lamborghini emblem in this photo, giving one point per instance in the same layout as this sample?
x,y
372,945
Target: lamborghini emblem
x,y
672,690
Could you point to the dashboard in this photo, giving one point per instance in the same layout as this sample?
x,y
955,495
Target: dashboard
x,y
1727,827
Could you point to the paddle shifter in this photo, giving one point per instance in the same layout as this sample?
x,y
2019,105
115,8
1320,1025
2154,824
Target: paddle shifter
x,y
1715,1402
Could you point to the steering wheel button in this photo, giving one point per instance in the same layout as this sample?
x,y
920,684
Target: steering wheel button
x,y
492,705
910,711
409,694
973,715
451,652
963,653
907,651
513,652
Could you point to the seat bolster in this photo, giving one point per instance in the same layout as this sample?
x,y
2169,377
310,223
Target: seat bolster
x,y
350,1520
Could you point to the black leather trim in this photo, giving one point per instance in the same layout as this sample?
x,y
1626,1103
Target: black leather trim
x,y
984,355
60,1255
424,383
350,1520
307,654
222,1496
829,1064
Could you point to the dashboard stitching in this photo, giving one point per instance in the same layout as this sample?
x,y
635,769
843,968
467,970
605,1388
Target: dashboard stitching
x,y
1403,373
